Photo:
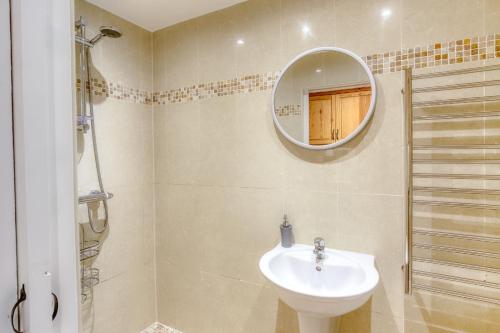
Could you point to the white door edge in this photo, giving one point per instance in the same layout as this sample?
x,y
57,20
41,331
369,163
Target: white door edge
x,y
44,159
8,281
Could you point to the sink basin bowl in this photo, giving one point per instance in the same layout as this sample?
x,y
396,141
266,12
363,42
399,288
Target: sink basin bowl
x,y
344,283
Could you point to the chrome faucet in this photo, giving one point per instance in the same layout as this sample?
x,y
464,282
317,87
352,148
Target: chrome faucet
x,y
319,249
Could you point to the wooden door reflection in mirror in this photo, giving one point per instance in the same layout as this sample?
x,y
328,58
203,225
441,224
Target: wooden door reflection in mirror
x,y
334,114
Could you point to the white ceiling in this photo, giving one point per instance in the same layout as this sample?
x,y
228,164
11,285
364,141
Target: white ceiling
x,y
156,14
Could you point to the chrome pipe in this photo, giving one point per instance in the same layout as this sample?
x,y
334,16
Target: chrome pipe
x,y
463,146
455,161
408,110
458,115
456,250
82,112
467,85
456,176
479,238
456,204
96,153
455,294
457,265
465,100
456,190
456,72
459,279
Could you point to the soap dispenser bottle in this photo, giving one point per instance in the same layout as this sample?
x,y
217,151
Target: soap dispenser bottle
x,y
286,233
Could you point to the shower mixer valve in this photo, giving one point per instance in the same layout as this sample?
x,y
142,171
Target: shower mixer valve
x,y
82,123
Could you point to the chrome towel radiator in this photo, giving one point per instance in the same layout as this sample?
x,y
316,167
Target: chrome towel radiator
x,y
453,183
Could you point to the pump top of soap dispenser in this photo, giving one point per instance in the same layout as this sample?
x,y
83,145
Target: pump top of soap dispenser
x,y
285,221
286,233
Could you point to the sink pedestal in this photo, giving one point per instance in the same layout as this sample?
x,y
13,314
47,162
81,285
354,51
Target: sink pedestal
x,y
309,323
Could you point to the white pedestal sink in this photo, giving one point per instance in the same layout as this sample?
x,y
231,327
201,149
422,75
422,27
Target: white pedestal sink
x,y
344,283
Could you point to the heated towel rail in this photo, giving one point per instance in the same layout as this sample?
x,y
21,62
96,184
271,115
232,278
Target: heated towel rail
x,y
445,255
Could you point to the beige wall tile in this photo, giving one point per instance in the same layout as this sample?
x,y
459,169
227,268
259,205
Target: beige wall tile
x,y
259,27
375,224
427,21
217,39
180,297
218,140
232,228
312,214
239,306
491,16
177,215
235,306
364,320
176,56
362,27
448,314
122,304
304,25
124,137
261,159
177,143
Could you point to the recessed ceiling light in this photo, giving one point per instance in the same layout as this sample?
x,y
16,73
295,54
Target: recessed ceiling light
x,y
240,42
318,70
306,29
386,13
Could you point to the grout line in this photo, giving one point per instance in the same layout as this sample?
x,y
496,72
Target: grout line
x,y
225,276
281,188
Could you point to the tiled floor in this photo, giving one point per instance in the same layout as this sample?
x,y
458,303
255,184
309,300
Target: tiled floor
x,y
160,328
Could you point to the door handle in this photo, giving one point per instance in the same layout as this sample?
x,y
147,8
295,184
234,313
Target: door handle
x,y
22,298
56,306
337,134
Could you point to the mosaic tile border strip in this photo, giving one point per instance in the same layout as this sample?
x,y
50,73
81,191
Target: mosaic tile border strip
x,y
436,54
460,51
288,110
101,88
160,328
243,84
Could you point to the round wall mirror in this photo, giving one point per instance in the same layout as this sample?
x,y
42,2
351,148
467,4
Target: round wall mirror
x,y
324,98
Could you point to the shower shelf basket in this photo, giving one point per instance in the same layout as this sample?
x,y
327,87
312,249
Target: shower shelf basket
x,y
89,249
89,279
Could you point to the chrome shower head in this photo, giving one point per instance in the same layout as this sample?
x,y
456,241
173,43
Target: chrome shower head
x,y
106,31
110,32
